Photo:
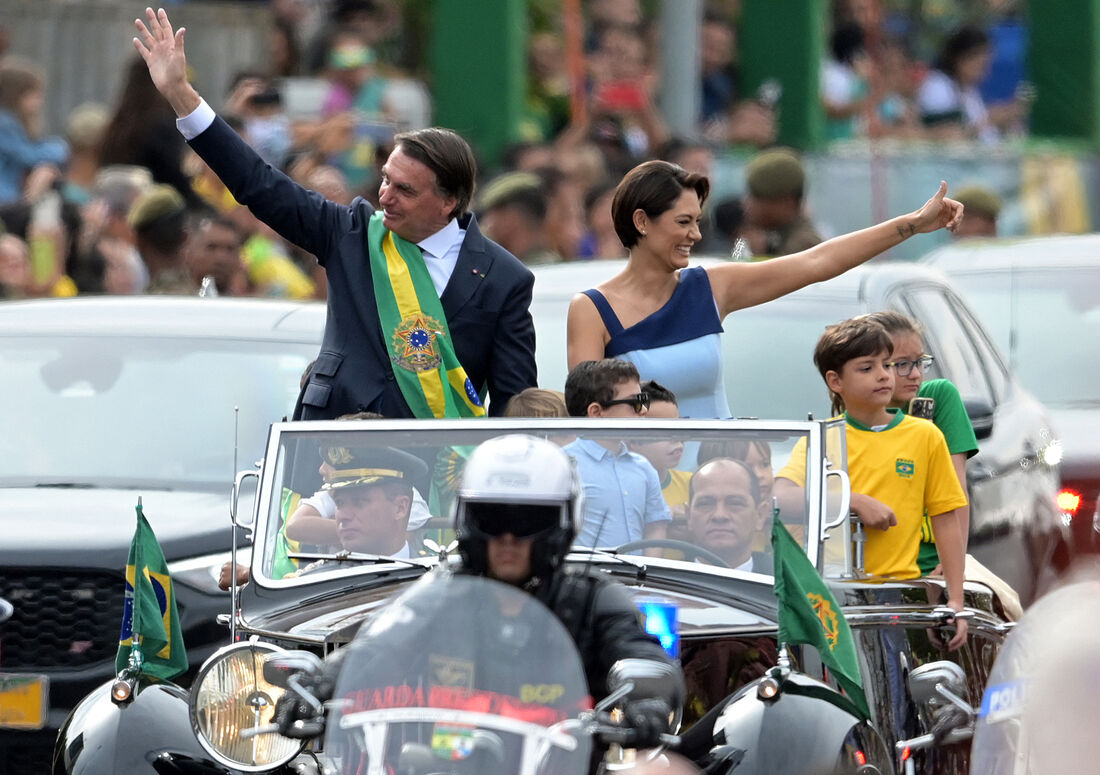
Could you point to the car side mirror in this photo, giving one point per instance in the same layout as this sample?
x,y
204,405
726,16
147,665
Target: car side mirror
x,y
939,685
6,610
981,416
279,668
927,682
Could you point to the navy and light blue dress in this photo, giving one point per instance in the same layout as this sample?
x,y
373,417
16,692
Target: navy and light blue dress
x,y
679,345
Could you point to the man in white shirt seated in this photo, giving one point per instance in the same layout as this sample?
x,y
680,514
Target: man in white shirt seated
x,y
314,520
373,491
725,511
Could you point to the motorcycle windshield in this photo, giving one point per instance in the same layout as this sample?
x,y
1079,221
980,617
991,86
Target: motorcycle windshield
x,y
1042,700
460,675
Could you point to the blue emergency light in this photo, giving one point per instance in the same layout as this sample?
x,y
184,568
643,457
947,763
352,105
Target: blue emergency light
x,y
662,620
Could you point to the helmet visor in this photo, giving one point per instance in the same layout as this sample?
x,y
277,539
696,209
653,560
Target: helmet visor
x,y
519,520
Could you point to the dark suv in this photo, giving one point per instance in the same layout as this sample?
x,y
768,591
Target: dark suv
x,y
1016,528
106,400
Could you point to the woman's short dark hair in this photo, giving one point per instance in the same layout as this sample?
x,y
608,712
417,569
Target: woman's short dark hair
x,y
447,155
652,187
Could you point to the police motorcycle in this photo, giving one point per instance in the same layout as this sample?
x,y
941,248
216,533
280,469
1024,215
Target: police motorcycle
x,y
348,714
1039,711
458,675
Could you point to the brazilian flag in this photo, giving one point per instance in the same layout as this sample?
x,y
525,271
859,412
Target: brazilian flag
x,y
151,639
808,613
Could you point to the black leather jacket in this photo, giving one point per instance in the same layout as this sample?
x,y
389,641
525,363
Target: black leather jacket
x,y
606,626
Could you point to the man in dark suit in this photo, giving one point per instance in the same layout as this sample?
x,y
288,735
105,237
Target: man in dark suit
x,y
725,513
368,361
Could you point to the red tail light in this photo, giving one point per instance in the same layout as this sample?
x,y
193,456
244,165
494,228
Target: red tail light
x,y
1069,501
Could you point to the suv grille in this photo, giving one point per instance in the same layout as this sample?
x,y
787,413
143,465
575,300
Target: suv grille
x,y
66,619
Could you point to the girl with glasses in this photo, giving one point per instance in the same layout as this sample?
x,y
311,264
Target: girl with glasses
x,y
911,364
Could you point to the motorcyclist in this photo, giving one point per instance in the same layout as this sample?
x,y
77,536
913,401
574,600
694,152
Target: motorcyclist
x,y
519,507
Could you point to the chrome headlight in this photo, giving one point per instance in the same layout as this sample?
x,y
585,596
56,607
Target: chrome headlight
x,y
229,695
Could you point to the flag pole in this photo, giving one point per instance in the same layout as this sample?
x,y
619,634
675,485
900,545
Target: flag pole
x,y
233,592
136,658
783,657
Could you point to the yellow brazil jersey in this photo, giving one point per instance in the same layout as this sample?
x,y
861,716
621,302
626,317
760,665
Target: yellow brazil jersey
x,y
675,488
906,466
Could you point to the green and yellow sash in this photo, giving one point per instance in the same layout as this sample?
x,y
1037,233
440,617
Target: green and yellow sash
x,y
431,379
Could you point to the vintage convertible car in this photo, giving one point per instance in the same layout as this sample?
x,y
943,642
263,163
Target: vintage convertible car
x,y
720,621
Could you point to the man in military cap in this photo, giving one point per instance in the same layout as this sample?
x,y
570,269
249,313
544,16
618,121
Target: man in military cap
x,y
158,218
982,208
775,224
512,210
373,491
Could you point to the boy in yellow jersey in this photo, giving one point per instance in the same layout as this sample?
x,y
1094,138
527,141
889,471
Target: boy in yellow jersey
x,y
899,466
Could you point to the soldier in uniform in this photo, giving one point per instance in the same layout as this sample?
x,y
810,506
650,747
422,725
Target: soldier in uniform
x,y
158,218
373,491
775,224
982,208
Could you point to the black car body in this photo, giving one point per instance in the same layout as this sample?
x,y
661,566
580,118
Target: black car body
x,y
108,400
1015,526
726,631
1039,299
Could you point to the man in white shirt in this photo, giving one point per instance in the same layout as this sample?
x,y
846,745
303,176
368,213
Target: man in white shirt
x,y
373,492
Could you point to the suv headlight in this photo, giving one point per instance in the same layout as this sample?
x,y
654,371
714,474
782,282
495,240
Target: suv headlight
x,y
229,695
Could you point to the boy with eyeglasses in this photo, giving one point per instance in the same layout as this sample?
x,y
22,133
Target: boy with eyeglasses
x,y
899,466
623,500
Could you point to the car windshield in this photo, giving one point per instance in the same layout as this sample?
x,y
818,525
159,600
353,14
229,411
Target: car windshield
x,y
124,411
1026,310
707,484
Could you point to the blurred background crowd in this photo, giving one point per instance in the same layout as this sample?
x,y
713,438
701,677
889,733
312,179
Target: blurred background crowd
x,y
112,200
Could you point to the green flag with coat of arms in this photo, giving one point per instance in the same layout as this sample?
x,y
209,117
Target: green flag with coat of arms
x,y
151,638
808,613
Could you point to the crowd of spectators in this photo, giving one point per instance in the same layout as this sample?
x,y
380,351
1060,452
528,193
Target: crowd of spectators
x,y
120,204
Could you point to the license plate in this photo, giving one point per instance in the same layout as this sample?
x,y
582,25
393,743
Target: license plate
x,y
24,700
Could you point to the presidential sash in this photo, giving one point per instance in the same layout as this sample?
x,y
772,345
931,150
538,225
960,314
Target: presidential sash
x,y
427,370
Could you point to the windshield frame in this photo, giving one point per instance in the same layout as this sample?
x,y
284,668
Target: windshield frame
x,y
282,434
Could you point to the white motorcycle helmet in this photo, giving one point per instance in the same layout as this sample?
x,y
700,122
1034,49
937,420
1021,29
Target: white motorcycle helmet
x,y
525,486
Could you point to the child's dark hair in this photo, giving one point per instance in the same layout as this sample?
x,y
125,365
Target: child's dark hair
x,y
593,382
658,392
858,337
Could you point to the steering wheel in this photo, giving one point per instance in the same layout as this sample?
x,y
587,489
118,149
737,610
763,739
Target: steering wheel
x,y
691,551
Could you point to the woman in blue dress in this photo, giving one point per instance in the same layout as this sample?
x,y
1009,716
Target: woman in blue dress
x,y
666,317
